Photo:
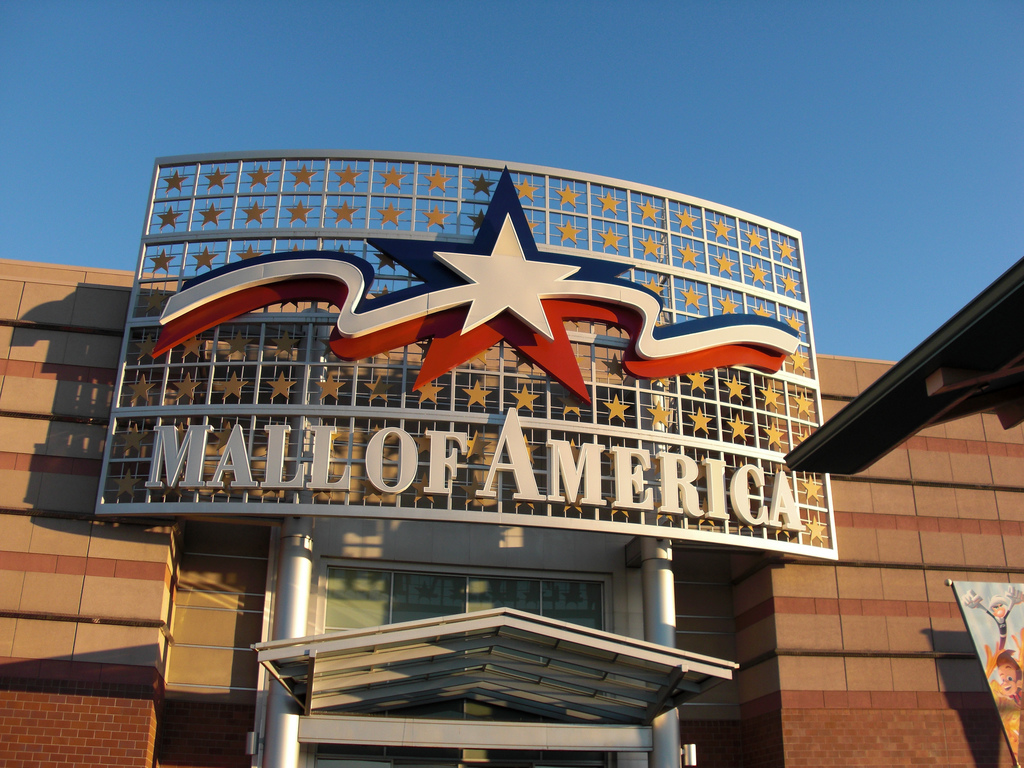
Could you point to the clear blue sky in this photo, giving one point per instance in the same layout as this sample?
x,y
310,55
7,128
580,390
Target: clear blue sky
x,y
890,133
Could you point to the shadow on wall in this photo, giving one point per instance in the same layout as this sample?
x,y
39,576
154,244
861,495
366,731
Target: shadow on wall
x,y
966,691
64,356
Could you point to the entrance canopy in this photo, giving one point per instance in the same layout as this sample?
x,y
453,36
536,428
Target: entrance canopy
x,y
555,671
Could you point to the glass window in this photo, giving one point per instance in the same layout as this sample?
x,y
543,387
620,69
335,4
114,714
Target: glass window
x,y
575,601
357,598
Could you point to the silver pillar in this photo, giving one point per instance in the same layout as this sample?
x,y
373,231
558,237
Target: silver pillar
x,y
291,608
660,627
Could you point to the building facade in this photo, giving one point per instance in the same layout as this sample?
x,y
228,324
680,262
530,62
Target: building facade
x,y
156,501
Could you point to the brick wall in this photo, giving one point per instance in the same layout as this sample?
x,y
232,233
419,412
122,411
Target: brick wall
x,y
204,735
66,722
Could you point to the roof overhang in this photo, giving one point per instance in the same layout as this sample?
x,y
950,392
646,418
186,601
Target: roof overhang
x,y
556,671
973,363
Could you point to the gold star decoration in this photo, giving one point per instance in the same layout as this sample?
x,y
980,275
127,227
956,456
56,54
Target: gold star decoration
x,y
174,181
526,189
616,409
344,213
282,387
698,381
735,388
651,246
389,214
648,210
186,388
686,220
126,485
613,366
771,398
659,415
303,175
140,390
299,213
231,387
812,489
249,253
727,305
799,361
329,387
692,297
169,218
700,422
477,219
725,264
475,447
653,286
757,274
611,240
437,181
132,439
254,213
804,406
569,232
774,435
392,178
481,185
524,399
156,299
786,250
212,215
285,344
204,258
379,388
215,179
193,346
795,323
146,346
162,261
568,195
347,176
477,394
754,238
739,429
689,255
429,392
569,406
790,284
259,176
722,228
817,529
609,203
761,310
237,343
436,217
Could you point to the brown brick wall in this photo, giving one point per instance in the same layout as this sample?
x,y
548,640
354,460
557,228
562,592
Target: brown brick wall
x,y
719,742
64,723
204,735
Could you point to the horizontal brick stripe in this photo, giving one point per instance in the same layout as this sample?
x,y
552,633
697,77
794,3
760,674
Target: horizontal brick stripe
x,y
68,671
976,447
932,524
58,465
83,566
909,700
845,607
28,369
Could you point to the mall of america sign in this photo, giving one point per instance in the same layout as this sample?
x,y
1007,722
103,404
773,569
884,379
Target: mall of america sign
x,y
423,337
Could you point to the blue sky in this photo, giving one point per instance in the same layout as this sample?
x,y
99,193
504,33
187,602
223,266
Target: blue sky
x,y
890,134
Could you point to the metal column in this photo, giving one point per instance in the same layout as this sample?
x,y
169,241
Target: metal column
x,y
660,627
291,608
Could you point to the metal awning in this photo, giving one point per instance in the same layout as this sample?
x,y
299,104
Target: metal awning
x,y
973,363
551,669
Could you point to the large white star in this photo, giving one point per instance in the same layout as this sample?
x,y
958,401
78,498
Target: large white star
x,y
505,279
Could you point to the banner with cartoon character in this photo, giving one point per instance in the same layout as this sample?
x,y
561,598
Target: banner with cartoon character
x,y
997,629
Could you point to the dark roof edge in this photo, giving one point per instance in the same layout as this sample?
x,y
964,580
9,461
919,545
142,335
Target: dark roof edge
x,y
916,362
